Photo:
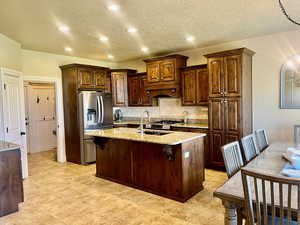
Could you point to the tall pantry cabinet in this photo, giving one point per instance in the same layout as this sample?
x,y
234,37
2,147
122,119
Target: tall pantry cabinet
x,y
230,99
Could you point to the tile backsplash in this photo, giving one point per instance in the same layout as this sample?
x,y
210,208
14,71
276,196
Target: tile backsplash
x,y
168,108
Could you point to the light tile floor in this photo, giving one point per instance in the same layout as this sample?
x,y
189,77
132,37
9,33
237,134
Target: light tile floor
x,y
70,194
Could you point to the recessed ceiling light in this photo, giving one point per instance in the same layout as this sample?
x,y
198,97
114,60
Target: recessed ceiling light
x,y
103,38
110,56
190,38
68,49
113,7
64,29
145,49
131,30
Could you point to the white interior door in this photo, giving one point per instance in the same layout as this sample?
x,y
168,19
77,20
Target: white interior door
x,y
13,112
11,109
42,118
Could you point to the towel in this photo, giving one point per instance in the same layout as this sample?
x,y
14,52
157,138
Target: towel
x,y
289,171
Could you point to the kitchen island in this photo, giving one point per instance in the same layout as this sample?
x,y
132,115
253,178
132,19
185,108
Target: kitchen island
x,y
167,163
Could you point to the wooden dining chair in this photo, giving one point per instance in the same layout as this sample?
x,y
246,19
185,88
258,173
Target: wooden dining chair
x,y
250,148
261,139
270,200
232,158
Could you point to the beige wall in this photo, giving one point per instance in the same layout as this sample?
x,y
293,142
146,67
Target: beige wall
x,y
10,53
46,64
271,52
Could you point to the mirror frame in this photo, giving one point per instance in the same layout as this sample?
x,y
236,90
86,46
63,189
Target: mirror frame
x,y
283,70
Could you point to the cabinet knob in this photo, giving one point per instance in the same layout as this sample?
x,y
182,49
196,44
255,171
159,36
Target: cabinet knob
x,y
173,90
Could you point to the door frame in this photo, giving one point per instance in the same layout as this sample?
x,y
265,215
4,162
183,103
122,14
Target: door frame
x,y
61,151
19,75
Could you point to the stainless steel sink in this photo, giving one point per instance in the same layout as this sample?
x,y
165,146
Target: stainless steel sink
x,y
154,132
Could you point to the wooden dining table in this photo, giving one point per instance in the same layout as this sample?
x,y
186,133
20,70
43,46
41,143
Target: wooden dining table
x,y
269,162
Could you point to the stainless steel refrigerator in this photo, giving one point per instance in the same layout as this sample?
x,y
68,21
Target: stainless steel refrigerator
x,y
96,112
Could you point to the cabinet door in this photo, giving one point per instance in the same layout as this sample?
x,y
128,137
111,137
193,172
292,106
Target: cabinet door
x,y
189,87
232,76
108,83
119,88
134,91
153,72
216,114
85,78
145,96
167,70
231,138
232,115
153,171
100,79
110,155
216,142
216,81
202,87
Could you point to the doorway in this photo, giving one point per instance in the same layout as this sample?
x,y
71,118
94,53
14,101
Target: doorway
x,y
40,112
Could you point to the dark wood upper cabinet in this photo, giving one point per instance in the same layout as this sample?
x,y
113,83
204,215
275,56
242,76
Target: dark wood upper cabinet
x,y
230,99
100,78
146,99
91,76
134,91
86,78
137,93
194,85
216,81
76,77
167,70
119,86
202,86
153,72
108,83
189,87
163,75
232,76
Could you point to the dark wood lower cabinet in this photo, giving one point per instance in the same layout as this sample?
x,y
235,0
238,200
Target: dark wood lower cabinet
x,y
215,155
11,182
175,172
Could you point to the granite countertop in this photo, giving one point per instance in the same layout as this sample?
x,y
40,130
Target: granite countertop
x,y
6,146
183,125
171,138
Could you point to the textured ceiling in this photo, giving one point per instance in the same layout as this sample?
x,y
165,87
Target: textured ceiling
x,y
162,24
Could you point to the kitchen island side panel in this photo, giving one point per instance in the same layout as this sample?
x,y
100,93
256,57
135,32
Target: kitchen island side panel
x,y
160,169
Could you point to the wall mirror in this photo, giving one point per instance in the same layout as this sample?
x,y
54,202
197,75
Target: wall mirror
x,y
290,84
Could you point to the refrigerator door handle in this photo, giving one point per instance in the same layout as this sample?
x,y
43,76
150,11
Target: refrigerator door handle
x,y
102,109
99,110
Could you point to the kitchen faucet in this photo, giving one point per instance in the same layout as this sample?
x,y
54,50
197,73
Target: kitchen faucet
x,y
185,115
142,120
